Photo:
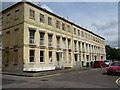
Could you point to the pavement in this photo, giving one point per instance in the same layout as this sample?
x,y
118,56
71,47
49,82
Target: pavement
x,y
45,73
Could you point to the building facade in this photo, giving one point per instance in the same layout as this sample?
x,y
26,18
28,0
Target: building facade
x,y
35,39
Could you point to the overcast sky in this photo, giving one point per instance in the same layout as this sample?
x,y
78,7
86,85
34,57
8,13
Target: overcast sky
x,y
98,17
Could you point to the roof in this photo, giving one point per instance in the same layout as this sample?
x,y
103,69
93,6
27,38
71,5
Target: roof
x,y
53,15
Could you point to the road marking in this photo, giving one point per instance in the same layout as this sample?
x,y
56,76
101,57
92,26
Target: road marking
x,y
95,69
118,81
36,76
46,76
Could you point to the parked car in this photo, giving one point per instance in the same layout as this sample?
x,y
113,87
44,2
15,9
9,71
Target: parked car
x,y
99,64
114,68
108,62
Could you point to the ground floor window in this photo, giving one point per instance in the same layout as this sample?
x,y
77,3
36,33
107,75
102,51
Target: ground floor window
x,y
64,57
41,56
87,56
79,57
32,55
101,57
7,57
16,57
75,56
50,56
69,57
95,58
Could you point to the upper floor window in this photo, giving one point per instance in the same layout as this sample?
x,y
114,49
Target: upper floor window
x,y
63,26
8,18
88,36
42,43
82,34
74,30
58,41
32,36
64,41
49,21
79,45
85,35
57,24
68,28
50,40
16,35
17,14
32,14
42,18
69,44
78,32
8,32
1,19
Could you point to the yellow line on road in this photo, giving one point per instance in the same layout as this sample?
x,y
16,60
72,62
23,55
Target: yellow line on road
x,y
118,81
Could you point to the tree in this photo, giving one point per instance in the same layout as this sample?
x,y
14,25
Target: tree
x,y
112,53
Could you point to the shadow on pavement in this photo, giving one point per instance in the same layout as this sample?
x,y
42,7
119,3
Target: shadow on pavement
x,y
105,73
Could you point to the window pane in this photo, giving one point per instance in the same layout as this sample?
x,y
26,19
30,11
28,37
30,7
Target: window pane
x,y
31,55
31,37
41,56
32,14
68,28
41,18
63,26
50,56
49,21
49,40
16,57
74,30
57,24
41,38
17,14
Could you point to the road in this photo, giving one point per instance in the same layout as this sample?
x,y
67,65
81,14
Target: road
x,y
94,78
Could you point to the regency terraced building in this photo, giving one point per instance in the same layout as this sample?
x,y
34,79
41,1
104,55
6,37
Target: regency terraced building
x,y
35,39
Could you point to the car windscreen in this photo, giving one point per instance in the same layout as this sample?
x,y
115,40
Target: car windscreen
x,y
115,64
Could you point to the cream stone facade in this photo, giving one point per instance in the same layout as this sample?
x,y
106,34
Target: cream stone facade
x,y
35,39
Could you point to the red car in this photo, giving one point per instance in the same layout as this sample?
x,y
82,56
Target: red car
x,y
114,68
99,64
